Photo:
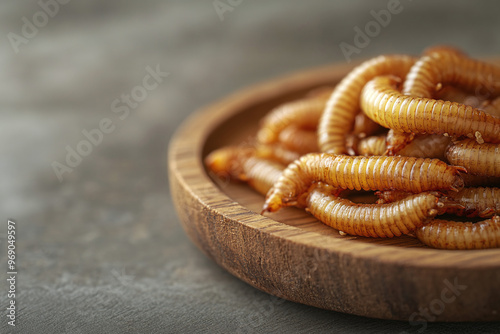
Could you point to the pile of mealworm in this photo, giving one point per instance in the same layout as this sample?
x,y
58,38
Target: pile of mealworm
x,y
423,133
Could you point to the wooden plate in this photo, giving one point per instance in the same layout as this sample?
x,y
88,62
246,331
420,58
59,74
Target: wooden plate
x,y
291,255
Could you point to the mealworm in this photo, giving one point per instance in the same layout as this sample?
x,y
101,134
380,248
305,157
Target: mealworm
x,y
446,234
451,68
371,220
424,146
385,105
240,165
304,113
261,174
299,140
341,109
276,152
478,159
470,202
396,141
367,173
374,145
227,161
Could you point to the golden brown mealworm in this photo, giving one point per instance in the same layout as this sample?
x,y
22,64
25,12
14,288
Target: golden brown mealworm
x,y
381,101
470,202
338,118
444,67
227,161
241,164
396,141
276,152
374,145
458,235
371,220
424,146
367,173
304,113
299,140
478,159
481,201
261,174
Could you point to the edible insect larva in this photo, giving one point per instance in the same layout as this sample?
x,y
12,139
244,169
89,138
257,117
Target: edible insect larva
x,y
304,113
427,146
482,202
242,165
261,174
227,161
385,105
478,159
396,141
451,68
371,220
458,235
338,118
299,140
389,196
470,202
374,145
276,152
424,146
367,173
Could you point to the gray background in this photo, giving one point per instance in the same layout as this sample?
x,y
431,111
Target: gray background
x,y
103,250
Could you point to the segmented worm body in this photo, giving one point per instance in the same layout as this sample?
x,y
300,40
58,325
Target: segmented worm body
x,y
299,140
366,173
261,174
371,220
478,159
338,118
303,113
470,202
243,165
458,235
451,68
424,146
385,105
396,141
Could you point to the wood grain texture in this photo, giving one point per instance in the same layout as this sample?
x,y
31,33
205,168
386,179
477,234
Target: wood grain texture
x,y
290,254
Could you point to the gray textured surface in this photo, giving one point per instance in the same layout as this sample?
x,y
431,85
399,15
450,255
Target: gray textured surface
x,y
103,251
